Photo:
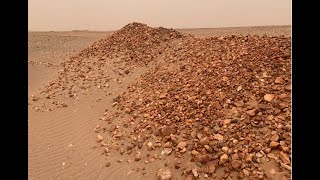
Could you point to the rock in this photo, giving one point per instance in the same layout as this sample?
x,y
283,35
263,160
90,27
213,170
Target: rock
x,y
248,158
274,138
236,164
210,167
217,105
288,87
234,156
150,146
272,171
274,145
164,174
271,155
195,172
108,164
284,158
167,151
167,145
162,96
204,141
167,130
182,145
194,152
128,110
285,166
279,80
223,159
225,149
204,158
183,150
208,148
138,156
99,138
251,112
218,137
227,122
246,172
268,97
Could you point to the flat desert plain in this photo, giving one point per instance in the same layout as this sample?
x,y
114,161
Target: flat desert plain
x,y
157,103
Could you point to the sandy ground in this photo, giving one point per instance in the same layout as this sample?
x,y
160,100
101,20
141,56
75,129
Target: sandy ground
x,y
61,143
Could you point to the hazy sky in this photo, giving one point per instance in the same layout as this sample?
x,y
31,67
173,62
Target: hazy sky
x,y
60,15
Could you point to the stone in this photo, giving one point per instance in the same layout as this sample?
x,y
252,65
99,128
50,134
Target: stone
x,y
150,146
99,138
167,151
248,158
194,152
272,171
251,112
128,110
268,97
223,159
274,145
204,141
183,150
227,122
210,167
288,87
218,137
138,156
164,174
225,149
246,172
234,156
284,158
279,80
236,164
285,166
274,138
195,172
167,130
182,145
167,145
208,148
271,155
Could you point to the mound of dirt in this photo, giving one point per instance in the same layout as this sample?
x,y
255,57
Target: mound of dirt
x,y
214,103
219,101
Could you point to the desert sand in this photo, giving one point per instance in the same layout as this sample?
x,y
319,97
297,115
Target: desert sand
x,y
80,125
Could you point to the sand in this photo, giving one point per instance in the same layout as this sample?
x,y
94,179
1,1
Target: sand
x,y
62,143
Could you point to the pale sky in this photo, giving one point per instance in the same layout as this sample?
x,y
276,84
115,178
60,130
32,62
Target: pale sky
x,y
103,15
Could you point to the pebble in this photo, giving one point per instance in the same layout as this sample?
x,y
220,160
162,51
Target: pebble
x,y
272,171
274,145
225,149
99,138
218,137
223,159
182,145
164,174
269,97
284,158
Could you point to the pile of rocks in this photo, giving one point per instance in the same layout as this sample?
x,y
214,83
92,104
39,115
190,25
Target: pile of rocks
x,y
135,42
226,101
